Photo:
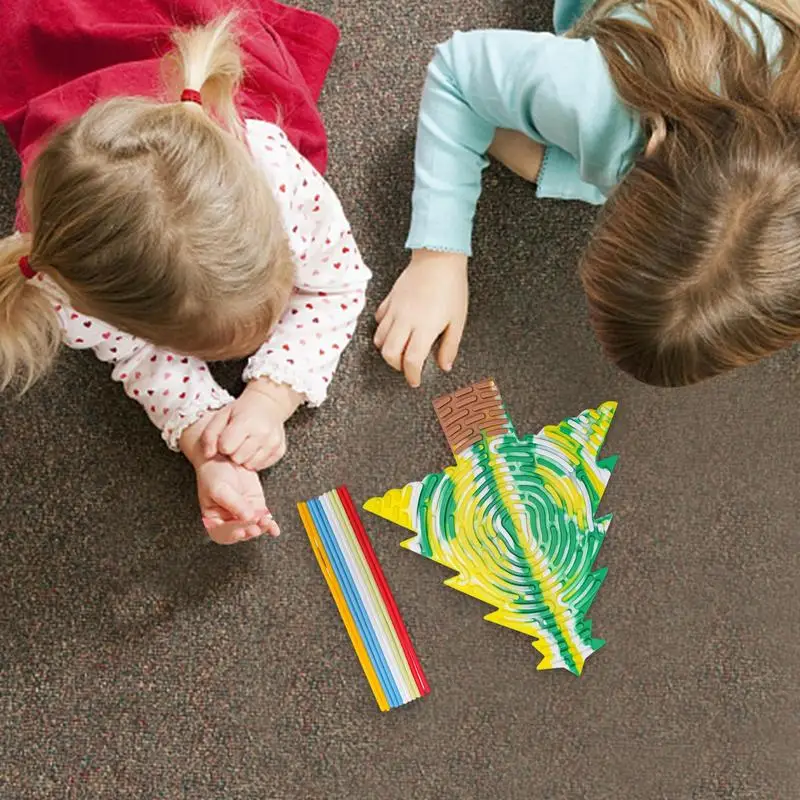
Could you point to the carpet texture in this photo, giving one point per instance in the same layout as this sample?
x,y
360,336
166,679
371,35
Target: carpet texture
x,y
139,661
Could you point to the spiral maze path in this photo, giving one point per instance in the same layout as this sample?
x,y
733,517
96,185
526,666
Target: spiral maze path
x,y
515,518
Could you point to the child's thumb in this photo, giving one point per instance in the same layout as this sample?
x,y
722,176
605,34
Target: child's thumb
x,y
232,501
212,432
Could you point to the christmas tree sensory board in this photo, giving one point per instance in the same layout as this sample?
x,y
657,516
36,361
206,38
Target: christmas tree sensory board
x,y
516,519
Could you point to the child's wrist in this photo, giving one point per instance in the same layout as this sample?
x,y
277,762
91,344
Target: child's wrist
x,y
279,395
446,258
189,442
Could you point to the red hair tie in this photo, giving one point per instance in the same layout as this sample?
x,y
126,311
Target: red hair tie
x,y
26,269
191,96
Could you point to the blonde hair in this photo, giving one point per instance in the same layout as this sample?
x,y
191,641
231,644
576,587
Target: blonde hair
x,y
694,267
152,217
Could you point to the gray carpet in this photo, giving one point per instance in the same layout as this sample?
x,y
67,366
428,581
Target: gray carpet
x,y
140,662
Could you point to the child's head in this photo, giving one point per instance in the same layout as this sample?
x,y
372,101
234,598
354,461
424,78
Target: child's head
x,y
695,265
153,217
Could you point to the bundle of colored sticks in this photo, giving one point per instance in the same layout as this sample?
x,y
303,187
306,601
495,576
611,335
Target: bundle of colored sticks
x,y
363,597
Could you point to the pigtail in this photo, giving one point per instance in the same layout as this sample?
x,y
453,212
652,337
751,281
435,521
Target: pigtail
x,y
101,193
29,328
208,60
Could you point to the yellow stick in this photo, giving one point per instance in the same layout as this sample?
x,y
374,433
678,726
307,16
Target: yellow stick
x,y
341,604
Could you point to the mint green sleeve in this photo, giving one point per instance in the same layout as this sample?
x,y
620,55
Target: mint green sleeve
x,y
555,90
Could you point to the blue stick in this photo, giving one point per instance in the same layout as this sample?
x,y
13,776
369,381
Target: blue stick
x,y
355,603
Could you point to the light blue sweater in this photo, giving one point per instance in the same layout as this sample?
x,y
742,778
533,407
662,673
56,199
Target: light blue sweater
x,y
554,89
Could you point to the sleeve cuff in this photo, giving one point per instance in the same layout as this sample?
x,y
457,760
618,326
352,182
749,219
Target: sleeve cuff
x,y
297,377
445,235
559,178
187,416
437,245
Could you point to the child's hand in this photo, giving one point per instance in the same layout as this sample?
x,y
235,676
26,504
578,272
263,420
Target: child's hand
x,y
232,502
231,497
429,299
250,430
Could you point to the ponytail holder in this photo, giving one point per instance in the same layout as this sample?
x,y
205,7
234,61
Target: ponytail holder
x,y
26,269
191,96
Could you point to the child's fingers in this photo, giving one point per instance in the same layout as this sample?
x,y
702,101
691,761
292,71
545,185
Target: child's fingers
x,y
210,437
245,451
448,348
227,533
232,501
237,533
266,456
395,345
382,308
252,531
419,346
382,331
277,452
211,520
232,438
269,525
258,460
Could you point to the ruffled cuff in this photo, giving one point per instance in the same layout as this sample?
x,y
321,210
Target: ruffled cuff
x,y
442,238
188,415
297,377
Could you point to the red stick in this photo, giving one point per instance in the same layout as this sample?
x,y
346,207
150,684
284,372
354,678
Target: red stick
x,y
386,592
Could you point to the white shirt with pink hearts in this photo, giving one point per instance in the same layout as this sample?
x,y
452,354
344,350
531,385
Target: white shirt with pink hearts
x,y
303,350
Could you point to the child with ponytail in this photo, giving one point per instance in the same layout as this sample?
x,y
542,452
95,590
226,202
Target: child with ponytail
x,y
163,232
682,117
